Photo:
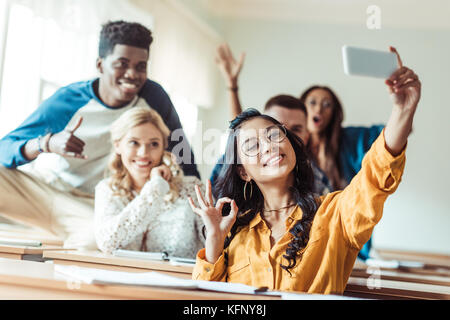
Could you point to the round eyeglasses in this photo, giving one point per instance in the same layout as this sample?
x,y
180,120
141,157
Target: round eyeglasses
x,y
251,147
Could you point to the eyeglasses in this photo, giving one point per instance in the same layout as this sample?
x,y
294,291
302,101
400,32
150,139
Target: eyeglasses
x,y
252,146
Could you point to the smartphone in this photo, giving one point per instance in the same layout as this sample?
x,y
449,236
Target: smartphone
x,y
368,62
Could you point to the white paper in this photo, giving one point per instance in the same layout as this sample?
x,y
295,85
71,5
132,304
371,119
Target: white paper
x,y
182,260
139,254
20,242
159,256
100,276
389,264
394,264
230,287
178,263
309,296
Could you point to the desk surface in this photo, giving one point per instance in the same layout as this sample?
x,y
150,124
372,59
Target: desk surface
x,y
391,289
393,284
18,232
398,275
35,280
28,250
429,259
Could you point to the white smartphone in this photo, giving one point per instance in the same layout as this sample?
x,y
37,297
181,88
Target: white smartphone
x,y
368,62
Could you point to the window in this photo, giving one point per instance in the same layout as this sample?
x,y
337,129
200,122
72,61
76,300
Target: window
x,y
48,44
40,57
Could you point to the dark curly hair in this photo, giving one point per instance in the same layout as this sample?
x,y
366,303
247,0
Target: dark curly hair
x,y
121,32
229,184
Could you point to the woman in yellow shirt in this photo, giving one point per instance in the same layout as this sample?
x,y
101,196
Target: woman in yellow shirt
x,y
267,229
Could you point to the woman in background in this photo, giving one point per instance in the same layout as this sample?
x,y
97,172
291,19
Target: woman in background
x,y
142,204
337,150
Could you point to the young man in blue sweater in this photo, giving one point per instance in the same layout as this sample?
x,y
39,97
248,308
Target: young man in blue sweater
x,y
71,131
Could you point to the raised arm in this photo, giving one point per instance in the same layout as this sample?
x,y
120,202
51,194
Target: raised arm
x,y
230,69
360,204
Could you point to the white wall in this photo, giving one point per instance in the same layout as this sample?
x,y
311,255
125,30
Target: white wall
x,y
287,57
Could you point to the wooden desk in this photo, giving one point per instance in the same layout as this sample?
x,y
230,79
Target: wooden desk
x,y
35,280
391,289
100,260
394,285
26,253
430,282
398,275
18,232
431,260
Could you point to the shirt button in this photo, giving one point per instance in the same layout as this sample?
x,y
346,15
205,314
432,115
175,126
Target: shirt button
x,y
207,269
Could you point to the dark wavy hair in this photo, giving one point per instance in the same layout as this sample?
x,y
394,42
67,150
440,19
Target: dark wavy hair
x,y
332,137
229,184
121,32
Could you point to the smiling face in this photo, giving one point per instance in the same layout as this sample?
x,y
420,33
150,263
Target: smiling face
x,y
319,104
122,74
141,149
264,160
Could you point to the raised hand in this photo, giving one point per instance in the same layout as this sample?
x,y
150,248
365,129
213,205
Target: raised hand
x,y
229,67
217,226
66,144
404,86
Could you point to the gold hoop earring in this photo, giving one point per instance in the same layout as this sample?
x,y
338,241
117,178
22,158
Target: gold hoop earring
x,y
245,189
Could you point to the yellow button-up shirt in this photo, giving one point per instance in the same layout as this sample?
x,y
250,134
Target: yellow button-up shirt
x,y
342,225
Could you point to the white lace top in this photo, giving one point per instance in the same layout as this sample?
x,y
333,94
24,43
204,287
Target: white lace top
x,y
149,222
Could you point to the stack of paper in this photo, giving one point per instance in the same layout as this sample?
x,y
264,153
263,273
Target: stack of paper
x,y
100,276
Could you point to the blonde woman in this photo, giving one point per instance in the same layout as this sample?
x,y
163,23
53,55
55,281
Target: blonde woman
x,y
142,204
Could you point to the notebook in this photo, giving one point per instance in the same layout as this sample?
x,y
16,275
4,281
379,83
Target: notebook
x,y
20,242
156,279
159,256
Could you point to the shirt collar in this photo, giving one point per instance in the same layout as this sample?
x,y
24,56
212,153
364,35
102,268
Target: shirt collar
x,y
255,221
296,215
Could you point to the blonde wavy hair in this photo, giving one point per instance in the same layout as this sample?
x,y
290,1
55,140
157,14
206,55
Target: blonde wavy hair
x,y
120,179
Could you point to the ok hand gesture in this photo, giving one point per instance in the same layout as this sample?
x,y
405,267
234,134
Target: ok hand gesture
x,y
217,226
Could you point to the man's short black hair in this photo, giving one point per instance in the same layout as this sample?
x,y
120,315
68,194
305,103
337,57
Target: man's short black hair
x,y
121,32
285,101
